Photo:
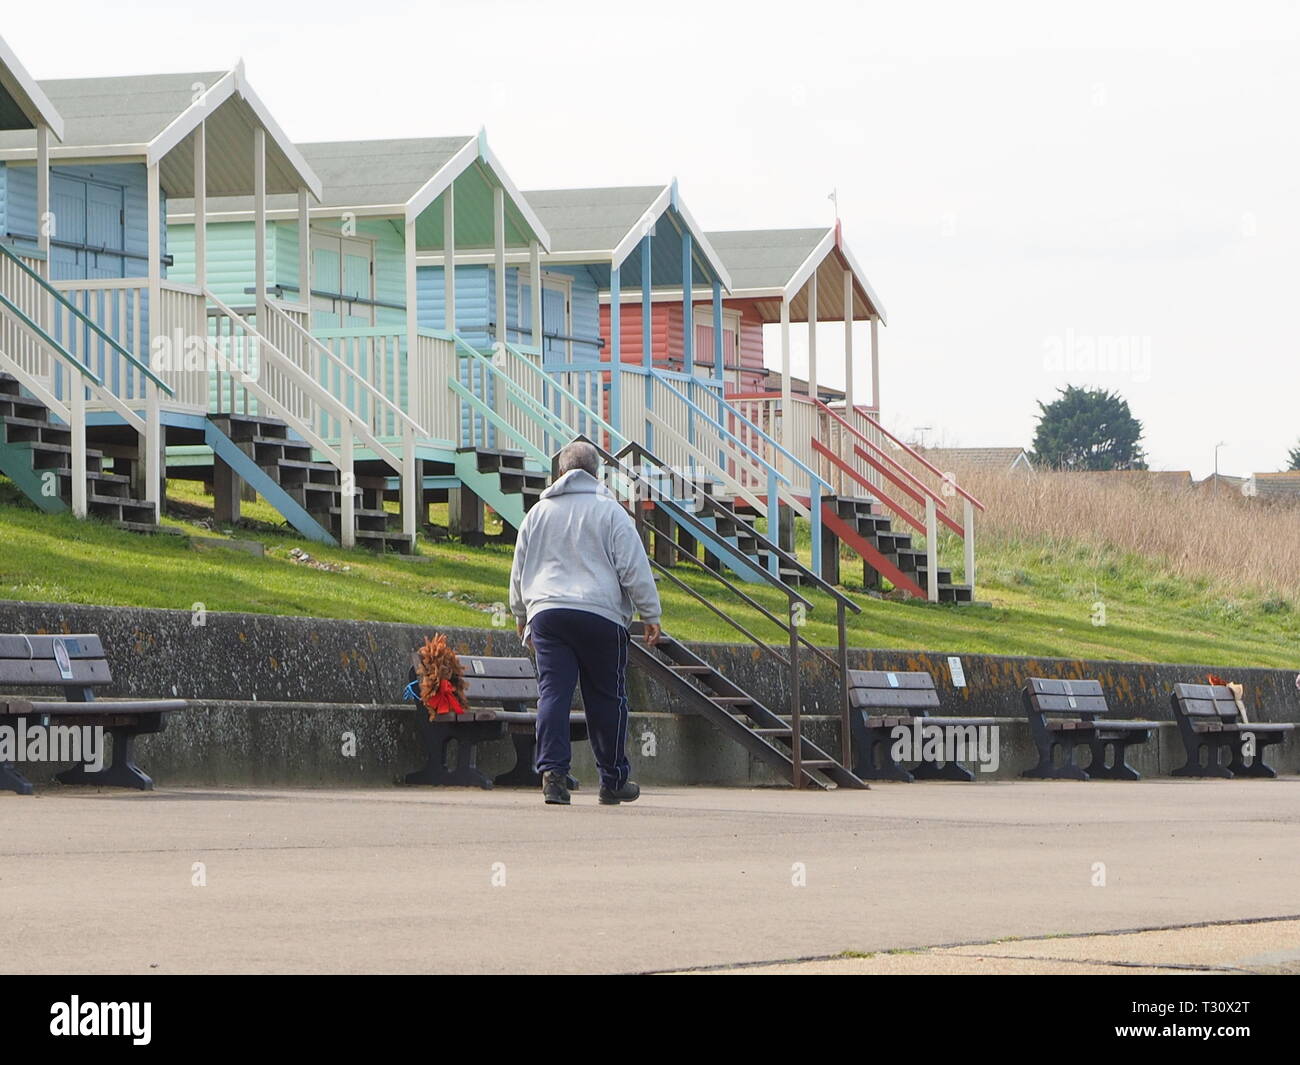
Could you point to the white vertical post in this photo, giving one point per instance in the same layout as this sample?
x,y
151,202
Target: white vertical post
x,y
812,337
535,270
449,258
43,219
304,253
348,483
77,409
201,206
968,536
931,550
153,464
419,391
875,365
259,224
848,348
779,429
499,260
850,414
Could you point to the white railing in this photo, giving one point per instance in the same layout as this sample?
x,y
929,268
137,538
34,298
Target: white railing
x,y
379,356
120,308
255,374
27,294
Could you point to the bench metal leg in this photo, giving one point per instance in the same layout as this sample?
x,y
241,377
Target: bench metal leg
x,y
465,773
121,772
12,780
942,771
1047,769
1257,768
524,774
876,757
1120,770
1213,764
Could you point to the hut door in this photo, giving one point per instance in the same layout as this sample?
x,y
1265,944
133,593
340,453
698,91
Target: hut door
x,y
343,281
90,229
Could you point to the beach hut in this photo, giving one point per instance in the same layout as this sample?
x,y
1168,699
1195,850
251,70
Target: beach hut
x,y
133,356
384,203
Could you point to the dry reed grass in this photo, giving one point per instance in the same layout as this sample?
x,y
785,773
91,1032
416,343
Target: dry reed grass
x,y
1233,542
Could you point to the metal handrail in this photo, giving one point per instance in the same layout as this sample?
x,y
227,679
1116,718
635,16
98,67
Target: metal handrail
x,y
791,662
79,314
763,542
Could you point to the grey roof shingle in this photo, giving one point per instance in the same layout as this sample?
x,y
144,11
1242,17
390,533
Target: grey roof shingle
x,y
591,219
764,258
129,110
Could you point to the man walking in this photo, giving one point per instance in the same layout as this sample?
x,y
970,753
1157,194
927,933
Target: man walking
x,y
580,573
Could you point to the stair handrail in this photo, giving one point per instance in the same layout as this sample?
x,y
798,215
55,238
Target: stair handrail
x,y
335,406
85,319
745,421
549,422
96,383
616,438
764,542
906,450
400,416
789,625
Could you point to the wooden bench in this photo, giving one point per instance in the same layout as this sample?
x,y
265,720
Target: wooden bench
x,y
75,665
883,701
1067,714
502,701
1210,724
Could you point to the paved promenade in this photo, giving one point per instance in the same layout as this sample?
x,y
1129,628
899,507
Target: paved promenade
x,y
408,880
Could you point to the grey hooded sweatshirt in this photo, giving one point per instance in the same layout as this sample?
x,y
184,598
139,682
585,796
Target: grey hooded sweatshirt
x,y
578,549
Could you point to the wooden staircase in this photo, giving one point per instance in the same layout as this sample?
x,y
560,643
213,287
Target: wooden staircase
x,y
885,551
36,454
316,487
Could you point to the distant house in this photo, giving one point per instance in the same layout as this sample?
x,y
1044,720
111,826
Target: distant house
x,y
771,382
1279,487
1222,482
994,459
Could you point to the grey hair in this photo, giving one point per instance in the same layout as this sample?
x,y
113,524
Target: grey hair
x,y
579,455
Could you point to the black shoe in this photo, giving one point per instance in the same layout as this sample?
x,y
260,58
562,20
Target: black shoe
x,y
571,782
555,788
629,792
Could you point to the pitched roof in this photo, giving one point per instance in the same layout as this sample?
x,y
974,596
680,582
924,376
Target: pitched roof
x,y
768,265
984,458
154,116
1275,485
23,103
402,177
606,225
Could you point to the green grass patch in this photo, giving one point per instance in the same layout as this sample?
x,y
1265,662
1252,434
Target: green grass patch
x,y
1044,596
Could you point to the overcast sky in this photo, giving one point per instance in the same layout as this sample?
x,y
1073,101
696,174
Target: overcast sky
x,y
1101,193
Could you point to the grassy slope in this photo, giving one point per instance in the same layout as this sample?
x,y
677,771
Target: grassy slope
x,y
1042,592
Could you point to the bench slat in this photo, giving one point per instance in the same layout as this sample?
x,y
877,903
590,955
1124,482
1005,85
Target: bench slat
x,y
1071,704
99,707
903,698
79,645
508,689
46,672
874,678
1052,686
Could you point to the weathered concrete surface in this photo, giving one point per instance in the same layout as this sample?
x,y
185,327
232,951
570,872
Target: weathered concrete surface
x,y
277,694
1261,947
389,880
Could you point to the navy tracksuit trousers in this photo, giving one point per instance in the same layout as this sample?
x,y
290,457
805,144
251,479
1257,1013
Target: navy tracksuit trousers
x,y
575,646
